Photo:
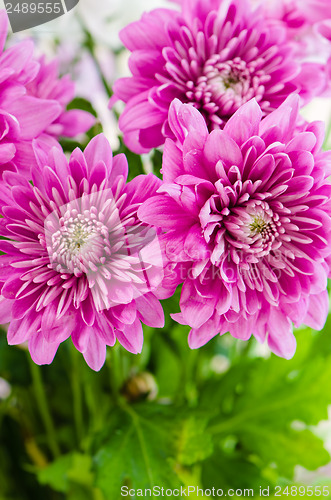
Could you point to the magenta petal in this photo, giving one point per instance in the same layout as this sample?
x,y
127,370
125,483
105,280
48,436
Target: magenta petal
x,y
151,137
159,211
42,352
195,310
98,150
318,310
131,337
245,122
125,313
22,306
149,31
132,141
87,312
76,121
196,313
324,28
119,293
48,317
142,114
281,339
220,146
55,330
32,122
200,336
98,174
142,188
25,157
57,334
5,310
95,353
11,287
184,118
242,328
21,330
81,335
150,310
105,330
7,152
119,169
284,118
172,165
17,56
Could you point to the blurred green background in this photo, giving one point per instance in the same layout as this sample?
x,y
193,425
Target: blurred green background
x,y
228,415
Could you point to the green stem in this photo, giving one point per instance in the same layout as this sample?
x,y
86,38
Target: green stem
x,y
45,414
92,404
77,394
115,371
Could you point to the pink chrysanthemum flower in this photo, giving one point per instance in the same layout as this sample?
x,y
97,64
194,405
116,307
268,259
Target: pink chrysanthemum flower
x,y
297,14
48,85
246,211
77,261
32,105
215,55
308,25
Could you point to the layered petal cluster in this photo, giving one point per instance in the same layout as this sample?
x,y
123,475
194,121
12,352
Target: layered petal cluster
x,y
32,104
77,261
298,13
246,216
308,24
48,85
215,55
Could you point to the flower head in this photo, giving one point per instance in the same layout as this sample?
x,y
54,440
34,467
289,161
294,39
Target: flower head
x,y
246,215
297,14
78,262
308,26
215,55
32,105
48,85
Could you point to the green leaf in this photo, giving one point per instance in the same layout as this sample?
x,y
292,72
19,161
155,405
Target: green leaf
x,y
165,360
194,441
268,406
224,472
135,449
156,159
55,475
68,473
83,104
80,470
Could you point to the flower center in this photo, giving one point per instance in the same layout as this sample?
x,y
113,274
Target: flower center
x,y
230,78
80,242
224,86
254,228
259,225
76,236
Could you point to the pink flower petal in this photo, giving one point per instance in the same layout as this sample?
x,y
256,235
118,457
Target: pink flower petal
x,y
131,337
281,339
41,351
95,353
